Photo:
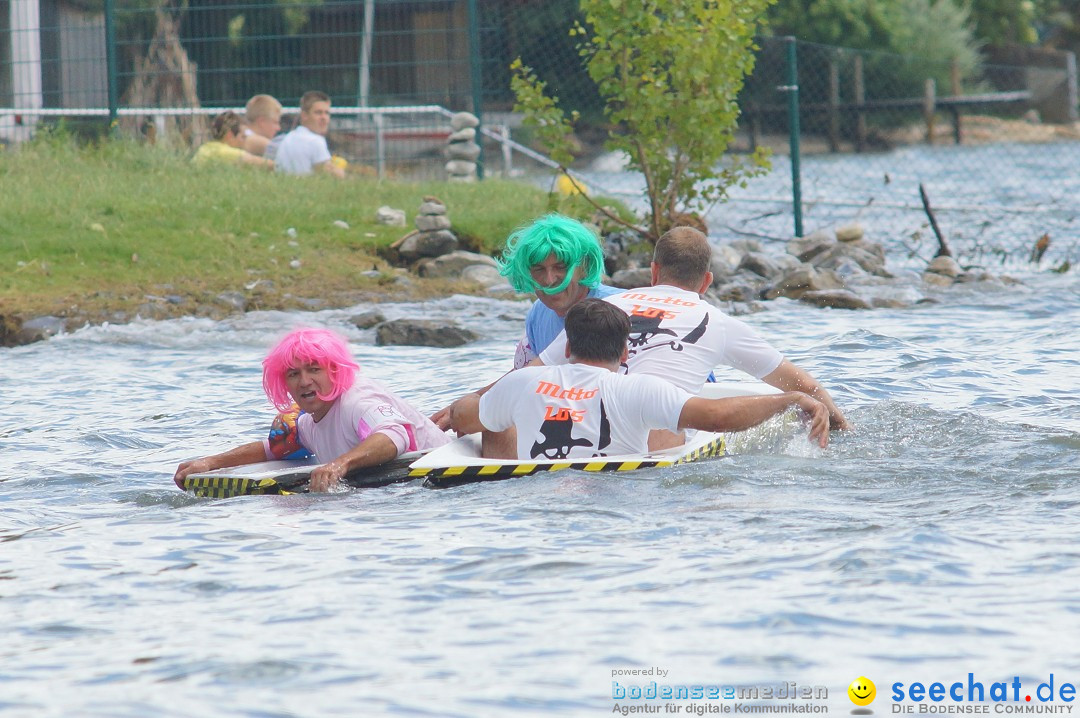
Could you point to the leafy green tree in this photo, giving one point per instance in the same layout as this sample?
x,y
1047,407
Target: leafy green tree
x,y
858,24
931,37
669,72
1060,24
998,22
936,36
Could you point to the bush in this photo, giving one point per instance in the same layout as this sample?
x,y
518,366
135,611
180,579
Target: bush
x,y
669,72
911,40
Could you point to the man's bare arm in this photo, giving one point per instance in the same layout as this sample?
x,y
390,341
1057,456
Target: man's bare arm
x,y
375,450
788,377
743,412
251,453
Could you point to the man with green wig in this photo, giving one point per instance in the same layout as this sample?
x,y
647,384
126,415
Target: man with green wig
x,y
560,260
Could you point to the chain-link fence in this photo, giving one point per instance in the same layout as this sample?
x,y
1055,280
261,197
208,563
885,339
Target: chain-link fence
x,y
395,70
994,145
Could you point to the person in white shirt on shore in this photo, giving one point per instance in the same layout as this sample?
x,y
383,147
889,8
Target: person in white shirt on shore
x,y
304,150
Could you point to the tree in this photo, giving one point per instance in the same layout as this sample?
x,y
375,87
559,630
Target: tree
x,y
669,72
931,37
1006,21
858,24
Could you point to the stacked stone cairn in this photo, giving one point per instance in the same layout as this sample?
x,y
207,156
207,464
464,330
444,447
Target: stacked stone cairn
x,y
461,148
431,250
432,237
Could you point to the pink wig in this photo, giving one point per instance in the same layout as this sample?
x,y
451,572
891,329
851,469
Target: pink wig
x,y
303,346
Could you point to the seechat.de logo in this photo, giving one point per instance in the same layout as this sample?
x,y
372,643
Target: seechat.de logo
x,y
862,691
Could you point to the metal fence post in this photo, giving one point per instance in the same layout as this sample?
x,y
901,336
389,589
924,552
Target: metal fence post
x,y
364,86
1070,85
792,89
380,145
475,79
110,62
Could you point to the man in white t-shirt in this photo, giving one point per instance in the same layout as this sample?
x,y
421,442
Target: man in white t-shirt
x,y
561,262
586,409
676,335
304,150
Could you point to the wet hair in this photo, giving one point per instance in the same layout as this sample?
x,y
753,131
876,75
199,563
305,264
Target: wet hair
x,y
303,346
261,106
228,121
597,331
571,241
683,256
310,98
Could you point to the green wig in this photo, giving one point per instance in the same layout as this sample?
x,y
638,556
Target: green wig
x,y
571,241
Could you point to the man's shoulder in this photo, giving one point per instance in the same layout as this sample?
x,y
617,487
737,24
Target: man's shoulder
x,y
539,312
636,382
512,381
301,134
642,389
602,290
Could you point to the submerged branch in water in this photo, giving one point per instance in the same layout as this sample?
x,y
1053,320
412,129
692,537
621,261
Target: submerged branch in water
x,y
943,246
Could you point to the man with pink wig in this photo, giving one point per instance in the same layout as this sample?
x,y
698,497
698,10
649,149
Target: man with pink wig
x,y
346,420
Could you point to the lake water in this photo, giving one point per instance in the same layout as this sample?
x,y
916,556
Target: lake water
x,y
936,540
992,202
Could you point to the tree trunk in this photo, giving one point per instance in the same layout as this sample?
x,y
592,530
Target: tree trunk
x,y
166,77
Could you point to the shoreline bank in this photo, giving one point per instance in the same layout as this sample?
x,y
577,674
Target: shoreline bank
x,y
40,317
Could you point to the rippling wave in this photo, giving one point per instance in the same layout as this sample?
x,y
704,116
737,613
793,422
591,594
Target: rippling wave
x,y
933,540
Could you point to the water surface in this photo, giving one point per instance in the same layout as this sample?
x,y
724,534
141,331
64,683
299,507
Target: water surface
x,y
937,539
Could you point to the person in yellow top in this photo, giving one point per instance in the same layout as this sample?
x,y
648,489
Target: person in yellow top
x,y
226,147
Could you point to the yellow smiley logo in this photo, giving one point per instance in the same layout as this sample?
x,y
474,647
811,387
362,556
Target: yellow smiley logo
x,y
862,691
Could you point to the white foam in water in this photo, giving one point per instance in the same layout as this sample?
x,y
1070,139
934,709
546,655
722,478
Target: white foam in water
x,y
932,541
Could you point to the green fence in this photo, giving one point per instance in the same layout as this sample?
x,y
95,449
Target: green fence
x,y
991,143
873,126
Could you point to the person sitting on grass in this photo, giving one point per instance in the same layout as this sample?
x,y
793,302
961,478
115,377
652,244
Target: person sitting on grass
x,y
304,151
586,409
347,421
262,120
227,147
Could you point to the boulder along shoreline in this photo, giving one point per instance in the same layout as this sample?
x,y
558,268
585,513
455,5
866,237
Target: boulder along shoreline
x,y
840,269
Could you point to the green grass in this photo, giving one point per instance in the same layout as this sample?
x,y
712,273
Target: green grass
x,y
118,218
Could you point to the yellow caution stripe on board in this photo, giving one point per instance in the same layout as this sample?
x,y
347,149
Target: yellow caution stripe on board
x,y
716,447
224,487
453,475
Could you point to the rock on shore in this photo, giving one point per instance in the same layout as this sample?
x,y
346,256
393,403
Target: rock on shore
x,y
423,333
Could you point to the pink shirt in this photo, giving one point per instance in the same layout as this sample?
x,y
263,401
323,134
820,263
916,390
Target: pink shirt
x,y
365,409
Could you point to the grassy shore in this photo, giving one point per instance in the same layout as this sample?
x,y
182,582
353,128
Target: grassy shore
x,y
92,231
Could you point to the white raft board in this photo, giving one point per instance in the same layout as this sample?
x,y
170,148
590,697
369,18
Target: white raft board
x,y
459,462
288,477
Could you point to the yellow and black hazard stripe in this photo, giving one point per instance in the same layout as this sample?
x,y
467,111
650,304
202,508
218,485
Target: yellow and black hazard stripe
x,y
224,487
445,477
716,447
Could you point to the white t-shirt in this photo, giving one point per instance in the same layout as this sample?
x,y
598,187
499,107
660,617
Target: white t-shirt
x,y
300,151
580,411
365,409
676,335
